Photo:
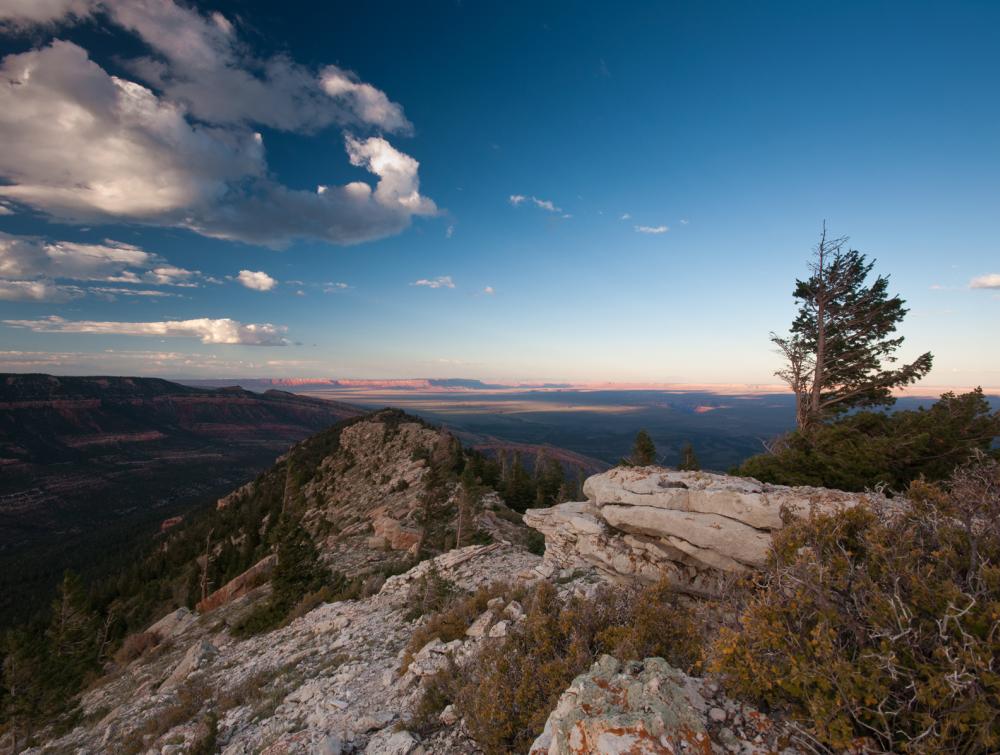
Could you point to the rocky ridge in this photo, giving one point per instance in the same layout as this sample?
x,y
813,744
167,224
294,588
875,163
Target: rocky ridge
x,y
330,682
342,679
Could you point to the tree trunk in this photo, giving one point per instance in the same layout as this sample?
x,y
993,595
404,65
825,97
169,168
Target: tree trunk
x,y
821,300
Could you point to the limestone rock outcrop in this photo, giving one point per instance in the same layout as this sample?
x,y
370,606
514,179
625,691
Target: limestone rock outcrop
x,y
693,527
647,708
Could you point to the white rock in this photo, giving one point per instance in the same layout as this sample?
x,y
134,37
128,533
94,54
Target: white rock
x,y
198,655
480,625
448,717
499,629
393,743
647,523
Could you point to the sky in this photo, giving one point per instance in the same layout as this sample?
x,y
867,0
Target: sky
x,y
555,191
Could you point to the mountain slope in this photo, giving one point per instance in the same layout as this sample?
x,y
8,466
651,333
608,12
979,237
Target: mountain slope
x,y
88,462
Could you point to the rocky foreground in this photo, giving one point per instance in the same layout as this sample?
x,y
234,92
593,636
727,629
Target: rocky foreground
x,y
339,680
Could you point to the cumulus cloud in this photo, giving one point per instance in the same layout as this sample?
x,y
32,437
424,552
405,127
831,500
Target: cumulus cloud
x,y
626,216
990,280
256,280
544,204
212,331
201,63
651,229
442,281
489,291
84,146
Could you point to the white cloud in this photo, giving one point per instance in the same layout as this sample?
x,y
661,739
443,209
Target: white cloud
x,y
215,331
37,290
29,265
626,216
113,292
367,102
256,280
332,287
202,64
489,291
29,257
545,204
25,13
449,231
684,221
442,281
651,229
990,280
85,146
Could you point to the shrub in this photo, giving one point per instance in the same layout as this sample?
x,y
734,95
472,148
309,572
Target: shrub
x,y
457,613
136,645
884,626
506,695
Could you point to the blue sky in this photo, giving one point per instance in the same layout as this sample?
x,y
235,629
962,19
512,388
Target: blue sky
x,y
670,166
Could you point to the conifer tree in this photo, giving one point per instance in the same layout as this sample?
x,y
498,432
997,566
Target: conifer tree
x,y
840,353
73,630
643,450
689,461
299,570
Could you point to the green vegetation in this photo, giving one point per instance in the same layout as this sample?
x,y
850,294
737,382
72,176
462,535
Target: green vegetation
x,y
298,574
506,696
877,449
545,484
689,461
882,625
643,450
841,340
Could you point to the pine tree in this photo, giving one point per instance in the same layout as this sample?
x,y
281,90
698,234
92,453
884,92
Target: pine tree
x,y
840,351
299,570
643,450
689,462
73,631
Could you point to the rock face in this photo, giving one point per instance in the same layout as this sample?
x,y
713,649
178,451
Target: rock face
x,y
239,585
694,527
647,707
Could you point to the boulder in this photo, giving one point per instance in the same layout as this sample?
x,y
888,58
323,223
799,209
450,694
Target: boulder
x,y
646,523
642,707
388,742
199,655
646,707
395,534
173,624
